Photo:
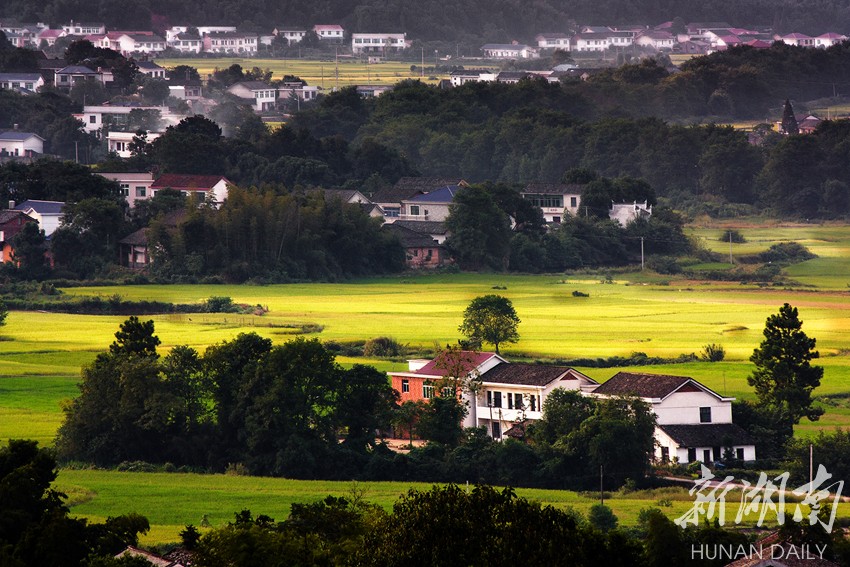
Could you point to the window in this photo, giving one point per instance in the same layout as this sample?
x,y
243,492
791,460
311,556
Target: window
x,y
125,189
405,386
510,401
573,202
556,220
739,453
448,392
665,454
427,391
497,430
518,401
692,455
489,399
705,415
706,455
497,399
141,191
414,210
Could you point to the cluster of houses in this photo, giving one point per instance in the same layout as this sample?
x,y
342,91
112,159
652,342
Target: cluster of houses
x,y
415,209
196,40
693,422
697,38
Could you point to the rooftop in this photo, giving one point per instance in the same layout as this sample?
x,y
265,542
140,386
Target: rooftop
x,y
41,207
642,385
707,434
524,374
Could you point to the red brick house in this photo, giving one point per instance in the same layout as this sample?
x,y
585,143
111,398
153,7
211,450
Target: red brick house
x,y
418,383
11,223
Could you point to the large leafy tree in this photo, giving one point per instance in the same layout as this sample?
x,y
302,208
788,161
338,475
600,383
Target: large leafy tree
x,y
784,376
490,319
480,230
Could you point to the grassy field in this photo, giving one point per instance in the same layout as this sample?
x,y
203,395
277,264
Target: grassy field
x,y
41,353
171,501
316,73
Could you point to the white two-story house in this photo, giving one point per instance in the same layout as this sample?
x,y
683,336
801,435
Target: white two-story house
x,y
554,199
694,423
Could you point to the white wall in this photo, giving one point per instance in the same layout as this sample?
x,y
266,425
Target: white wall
x,y
683,408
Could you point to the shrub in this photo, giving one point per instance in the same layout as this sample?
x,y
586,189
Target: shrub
x,y
663,264
713,353
578,293
236,469
735,236
383,347
220,304
786,253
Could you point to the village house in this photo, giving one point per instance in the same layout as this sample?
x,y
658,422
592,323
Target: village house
x,y
117,116
292,36
20,144
435,230
829,39
390,198
657,40
463,76
261,96
513,394
26,83
554,199
432,206
134,185
378,42
68,76
210,187
11,223
509,51
231,42
48,214
151,69
420,250
329,32
694,423
80,28
553,41
121,143
625,213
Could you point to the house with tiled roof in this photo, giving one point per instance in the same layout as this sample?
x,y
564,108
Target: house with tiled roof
x,y
231,42
658,40
509,394
420,250
20,144
390,198
432,206
21,82
209,186
829,39
68,76
693,422
260,95
435,230
799,39
151,69
48,214
329,32
512,394
554,199
509,51
11,223
552,41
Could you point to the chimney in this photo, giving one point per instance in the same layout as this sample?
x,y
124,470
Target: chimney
x,y
11,205
14,127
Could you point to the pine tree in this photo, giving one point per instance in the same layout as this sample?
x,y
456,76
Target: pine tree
x,y
789,122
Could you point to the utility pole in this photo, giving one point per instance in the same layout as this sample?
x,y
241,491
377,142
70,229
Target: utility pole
x,y
601,491
811,462
730,247
76,151
641,253
422,64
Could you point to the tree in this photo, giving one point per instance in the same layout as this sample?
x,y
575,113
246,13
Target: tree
x,y
480,230
491,319
29,247
789,121
784,376
3,313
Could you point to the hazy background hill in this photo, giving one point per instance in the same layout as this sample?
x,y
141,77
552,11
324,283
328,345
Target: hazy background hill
x,y
465,21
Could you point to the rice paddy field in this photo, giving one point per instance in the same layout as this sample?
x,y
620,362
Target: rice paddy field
x,y
328,73
41,353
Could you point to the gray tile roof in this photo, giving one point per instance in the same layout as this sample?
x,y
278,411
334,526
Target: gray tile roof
x,y
408,187
524,374
641,385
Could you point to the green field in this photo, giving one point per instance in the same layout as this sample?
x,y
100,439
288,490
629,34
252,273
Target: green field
x,y
327,73
41,353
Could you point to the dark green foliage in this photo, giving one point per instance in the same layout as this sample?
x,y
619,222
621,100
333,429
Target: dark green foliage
x,y
784,376
440,421
490,319
29,247
383,347
35,527
479,230
786,253
602,518
789,121
732,235
135,337
713,353
3,313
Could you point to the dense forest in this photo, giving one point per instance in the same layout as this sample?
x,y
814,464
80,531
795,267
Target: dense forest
x,y
471,21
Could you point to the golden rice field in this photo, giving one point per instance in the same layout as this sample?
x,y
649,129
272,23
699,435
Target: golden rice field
x,y
328,73
41,353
